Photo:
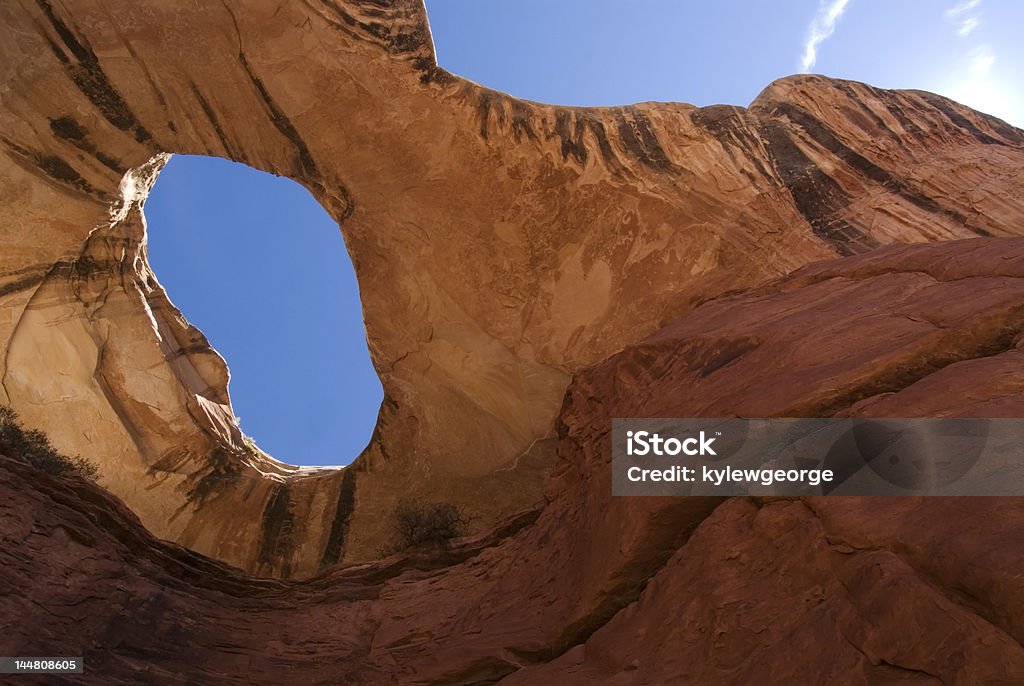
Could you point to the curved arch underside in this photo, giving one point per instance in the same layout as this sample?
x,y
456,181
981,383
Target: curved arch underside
x,y
501,246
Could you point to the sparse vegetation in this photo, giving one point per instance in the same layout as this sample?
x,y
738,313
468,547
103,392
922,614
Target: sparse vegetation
x,y
417,524
250,444
34,446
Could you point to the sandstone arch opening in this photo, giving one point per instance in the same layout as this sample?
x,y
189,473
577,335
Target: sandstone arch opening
x,y
255,263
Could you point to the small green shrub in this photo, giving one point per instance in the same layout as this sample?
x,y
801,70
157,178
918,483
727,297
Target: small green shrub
x,y
416,524
250,445
35,447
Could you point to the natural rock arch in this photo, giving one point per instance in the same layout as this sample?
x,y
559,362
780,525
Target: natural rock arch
x,y
256,264
501,245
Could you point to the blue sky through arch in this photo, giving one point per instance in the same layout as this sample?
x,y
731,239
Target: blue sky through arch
x,y
258,265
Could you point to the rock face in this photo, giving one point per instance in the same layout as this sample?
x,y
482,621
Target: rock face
x,y
501,246
597,589
528,273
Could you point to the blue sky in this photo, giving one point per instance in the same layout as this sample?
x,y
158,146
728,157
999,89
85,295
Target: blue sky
x,y
609,52
257,264
262,270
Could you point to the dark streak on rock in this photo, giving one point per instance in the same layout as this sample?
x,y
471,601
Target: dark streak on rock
x,y
877,123
596,127
406,41
728,126
638,138
377,30
816,195
721,121
149,78
212,116
381,4
197,348
82,268
340,13
88,75
306,166
347,24
59,170
110,163
483,112
306,170
409,39
276,544
817,132
68,129
225,469
522,116
905,121
58,53
1007,131
343,509
431,72
22,284
521,119
572,140
946,109
821,135
53,167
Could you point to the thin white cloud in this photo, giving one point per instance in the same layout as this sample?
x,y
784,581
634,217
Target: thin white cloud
x,y
822,27
966,26
963,15
963,7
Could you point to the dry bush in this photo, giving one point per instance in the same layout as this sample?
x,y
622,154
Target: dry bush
x,y
416,524
33,446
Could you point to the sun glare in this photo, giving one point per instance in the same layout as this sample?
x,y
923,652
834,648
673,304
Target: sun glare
x,y
981,87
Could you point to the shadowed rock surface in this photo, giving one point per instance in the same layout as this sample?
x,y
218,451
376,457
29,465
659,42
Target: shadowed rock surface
x,y
528,272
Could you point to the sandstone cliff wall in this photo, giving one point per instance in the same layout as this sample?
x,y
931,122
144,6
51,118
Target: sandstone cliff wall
x,y
597,589
501,246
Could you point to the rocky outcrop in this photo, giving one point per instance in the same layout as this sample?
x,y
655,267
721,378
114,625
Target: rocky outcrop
x,y
598,589
501,246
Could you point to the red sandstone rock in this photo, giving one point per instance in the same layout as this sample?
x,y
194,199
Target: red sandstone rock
x,y
501,245
639,271
602,589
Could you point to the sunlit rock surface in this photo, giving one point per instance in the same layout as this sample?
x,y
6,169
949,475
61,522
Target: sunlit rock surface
x,y
503,248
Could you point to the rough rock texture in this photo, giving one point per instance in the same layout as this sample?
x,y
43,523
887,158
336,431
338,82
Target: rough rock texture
x,y
501,245
597,589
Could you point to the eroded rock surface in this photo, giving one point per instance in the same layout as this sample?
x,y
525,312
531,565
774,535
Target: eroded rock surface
x,y
597,589
500,245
